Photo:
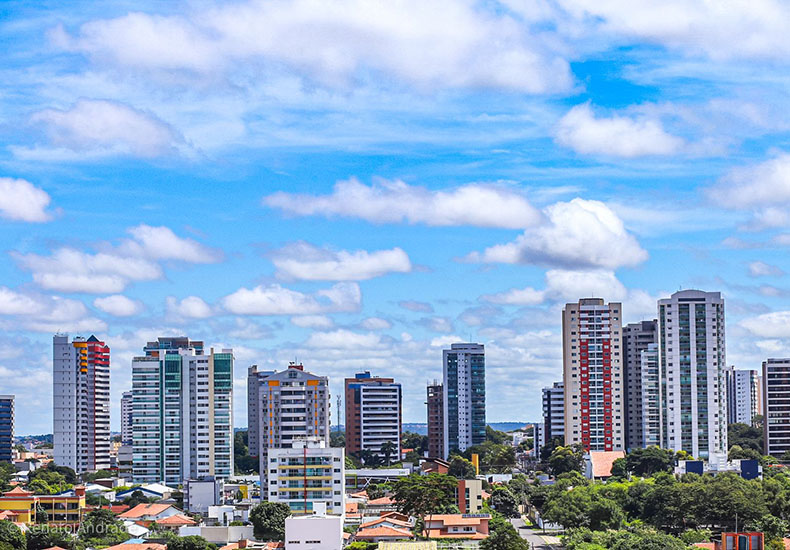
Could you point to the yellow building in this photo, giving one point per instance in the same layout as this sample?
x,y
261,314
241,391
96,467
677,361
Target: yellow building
x,y
62,510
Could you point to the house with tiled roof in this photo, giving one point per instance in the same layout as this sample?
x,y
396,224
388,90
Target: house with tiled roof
x,y
150,512
386,522
173,523
380,533
598,464
138,546
457,526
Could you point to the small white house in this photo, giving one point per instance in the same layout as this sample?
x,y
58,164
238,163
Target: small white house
x,y
316,532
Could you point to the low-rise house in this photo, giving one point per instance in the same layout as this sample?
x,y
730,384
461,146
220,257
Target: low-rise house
x,y
174,523
138,544
469,495
150,512
434,466
376,506
199,494
316,532
62,510
598,464
395,523
218,534
150,490
381,533
253,545
457,526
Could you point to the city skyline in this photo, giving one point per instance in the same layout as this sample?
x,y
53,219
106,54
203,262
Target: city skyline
x,y
361,205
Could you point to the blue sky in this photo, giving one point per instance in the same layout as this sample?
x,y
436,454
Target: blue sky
x,y
357,184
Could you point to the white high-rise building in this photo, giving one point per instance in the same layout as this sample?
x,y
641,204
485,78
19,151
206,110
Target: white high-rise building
x,y
742,395
593,374
126,418
182,412
464,402
649,399
692,371
636,339
81,403
308,475
373,415
283,407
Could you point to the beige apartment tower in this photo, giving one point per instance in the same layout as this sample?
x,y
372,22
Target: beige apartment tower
x,y
592,342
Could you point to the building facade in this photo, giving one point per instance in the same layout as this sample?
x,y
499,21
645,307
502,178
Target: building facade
x,y
692,371
636,339
743,395
464,388
6,427
593,374
81,403
554,413
284,407
182,412
126,418
373,414
649,399
306,473
435,405
776,406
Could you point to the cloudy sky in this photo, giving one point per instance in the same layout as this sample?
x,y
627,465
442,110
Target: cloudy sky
x,y
355,184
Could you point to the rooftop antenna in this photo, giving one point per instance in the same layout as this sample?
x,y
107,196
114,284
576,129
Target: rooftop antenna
x,y
338,413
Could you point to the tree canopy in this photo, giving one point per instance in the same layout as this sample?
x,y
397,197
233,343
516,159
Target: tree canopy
x,y
268,520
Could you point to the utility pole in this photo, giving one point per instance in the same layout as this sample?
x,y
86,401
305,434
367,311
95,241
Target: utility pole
x,y
338,413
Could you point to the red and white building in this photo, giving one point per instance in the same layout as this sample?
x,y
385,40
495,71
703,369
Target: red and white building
x,y
592,341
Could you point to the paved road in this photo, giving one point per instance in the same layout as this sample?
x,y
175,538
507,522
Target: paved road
x,y
531,536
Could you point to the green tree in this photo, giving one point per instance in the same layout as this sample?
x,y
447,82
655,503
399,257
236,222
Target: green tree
x,y
101,528
242,461
191,542
505,502
40,537
461,468
12,535
388,449
495,436
268,520
411,440
566,459
692,536
337,438
419,496
649,461
745,436
503,536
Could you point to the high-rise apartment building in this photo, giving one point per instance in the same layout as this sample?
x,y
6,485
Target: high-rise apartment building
x,y
776,406
182,412
692,373
743,393
435,404
6,427
81,403
649,400
126,418
284,407
464,396
593,374
554,413
636,339
306,474
373,414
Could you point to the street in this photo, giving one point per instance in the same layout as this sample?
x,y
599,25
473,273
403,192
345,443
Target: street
x,y
533,537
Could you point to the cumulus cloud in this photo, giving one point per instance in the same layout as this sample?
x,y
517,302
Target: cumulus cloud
x,y
762,269
578,234
44,313
375,323
303,261
764,184
414,305
769,325
440,44
118,305
516,296
278,300
20,200
344,339
617,136
108,127
191,307
112,268
395,201
312,321
437,324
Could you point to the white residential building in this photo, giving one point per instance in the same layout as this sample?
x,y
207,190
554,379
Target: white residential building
x,y
692,371
649,399
309,477
593,374
182,412
126,418
742,395
464,388
81,403
636,339
283,407
318,532
373,414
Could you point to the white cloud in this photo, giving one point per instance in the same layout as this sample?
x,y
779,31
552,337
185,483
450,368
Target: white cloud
x,y
303,261
762,269
437,324
118,305
414,305
769,325
396,201
278,300
43,313
375,323
618,136
516,296
191,307
107,127
312,321
579,234
112,268
344,339
440,44
20,200
764,184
